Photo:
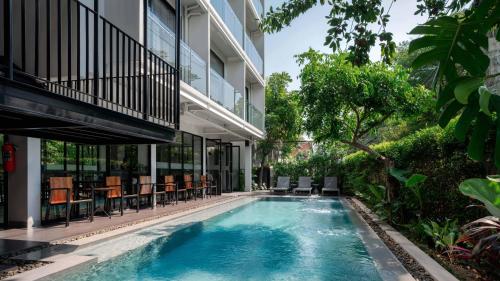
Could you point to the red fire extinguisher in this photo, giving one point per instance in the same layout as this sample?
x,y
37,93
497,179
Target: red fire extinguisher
x,y
9,157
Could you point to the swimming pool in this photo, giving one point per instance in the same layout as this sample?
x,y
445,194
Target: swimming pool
x,y
268,239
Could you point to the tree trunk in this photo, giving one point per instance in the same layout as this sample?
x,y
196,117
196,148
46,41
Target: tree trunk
x,y
388,165
261,173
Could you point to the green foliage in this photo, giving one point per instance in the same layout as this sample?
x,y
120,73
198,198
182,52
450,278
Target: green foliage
x,y
317,166
358,24
459,44
444,237
433,152
484,190
342,102
418,76
282,116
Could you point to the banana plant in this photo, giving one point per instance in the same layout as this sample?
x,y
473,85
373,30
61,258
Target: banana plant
x,y
459,43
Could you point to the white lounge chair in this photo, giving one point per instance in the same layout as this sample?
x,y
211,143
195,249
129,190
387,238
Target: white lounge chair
x,y
283,185
304,185
331,185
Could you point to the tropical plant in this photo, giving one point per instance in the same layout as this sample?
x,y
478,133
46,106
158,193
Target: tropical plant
x,y
282,122
485,190
412,183
444,237
459,43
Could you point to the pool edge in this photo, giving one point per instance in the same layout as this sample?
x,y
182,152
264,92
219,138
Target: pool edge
x,y
386,263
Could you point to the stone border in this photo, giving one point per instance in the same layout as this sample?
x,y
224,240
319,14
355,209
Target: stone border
x,y
388,266
431,268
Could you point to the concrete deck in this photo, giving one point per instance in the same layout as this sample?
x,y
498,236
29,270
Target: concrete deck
x,y
16,240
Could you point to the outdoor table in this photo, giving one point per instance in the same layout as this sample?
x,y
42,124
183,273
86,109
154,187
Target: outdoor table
x,y
103,208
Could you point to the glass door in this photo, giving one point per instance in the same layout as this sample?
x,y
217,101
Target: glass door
x,y
227,171
236,169
214,161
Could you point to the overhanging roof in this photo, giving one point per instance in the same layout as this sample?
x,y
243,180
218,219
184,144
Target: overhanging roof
x,y
31,111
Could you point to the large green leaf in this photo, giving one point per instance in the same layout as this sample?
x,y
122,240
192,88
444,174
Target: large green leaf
x,y
449,112
465,87
415,180
398,174
475,149
484,100
486,191
465,121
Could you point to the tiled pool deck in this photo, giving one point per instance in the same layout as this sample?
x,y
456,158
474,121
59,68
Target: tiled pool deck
x,y
19,239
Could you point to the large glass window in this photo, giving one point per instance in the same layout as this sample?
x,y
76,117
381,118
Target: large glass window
x,y
3,199
90,164
183,156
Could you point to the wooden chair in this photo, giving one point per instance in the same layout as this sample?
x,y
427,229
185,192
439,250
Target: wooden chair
x,y
199,187
188,184
144,189
204,186
61,193
212,185
169,188
116,192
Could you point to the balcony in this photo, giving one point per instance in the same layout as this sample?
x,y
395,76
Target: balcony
x,y
78,77
255,117
227,14
254,55
162,42
258,7
224,94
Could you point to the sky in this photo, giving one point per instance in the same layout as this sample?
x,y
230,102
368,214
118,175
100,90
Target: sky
x,y
309,30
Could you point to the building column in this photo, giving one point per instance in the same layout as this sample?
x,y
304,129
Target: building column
x,y
204,156
247,158
24,184
153,170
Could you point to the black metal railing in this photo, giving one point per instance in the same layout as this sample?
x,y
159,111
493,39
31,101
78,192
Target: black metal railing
x,y
67,48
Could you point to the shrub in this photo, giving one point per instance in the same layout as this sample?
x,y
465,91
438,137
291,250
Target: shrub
x,y
432,152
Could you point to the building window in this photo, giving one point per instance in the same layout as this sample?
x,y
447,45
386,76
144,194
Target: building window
x,y
216,64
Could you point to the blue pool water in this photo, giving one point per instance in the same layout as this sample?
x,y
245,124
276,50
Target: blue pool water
x,y
270,239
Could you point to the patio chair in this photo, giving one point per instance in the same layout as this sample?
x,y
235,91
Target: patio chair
x,y
62,193
304,185
203,186
181,190
188,184
199,187
144,189
283,185
212,185
331,185
169,189
116,192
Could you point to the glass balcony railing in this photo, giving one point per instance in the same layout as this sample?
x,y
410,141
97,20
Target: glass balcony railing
x,y
254,54
161,41
224,94
258,7
227,14
255,117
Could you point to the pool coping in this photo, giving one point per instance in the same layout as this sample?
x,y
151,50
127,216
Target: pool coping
x,y
388,266
64,260
432,267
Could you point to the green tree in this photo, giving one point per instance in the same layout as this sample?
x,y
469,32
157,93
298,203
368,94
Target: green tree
x,y
420,76
344,103
283,122
356,25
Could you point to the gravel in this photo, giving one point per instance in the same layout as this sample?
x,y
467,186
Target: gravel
x,y
413,267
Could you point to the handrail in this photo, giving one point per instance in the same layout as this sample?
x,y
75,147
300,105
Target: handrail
x,y
82,55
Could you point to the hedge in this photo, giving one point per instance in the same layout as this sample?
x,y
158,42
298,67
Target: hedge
x,y
433,152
